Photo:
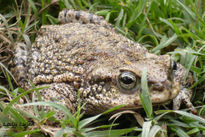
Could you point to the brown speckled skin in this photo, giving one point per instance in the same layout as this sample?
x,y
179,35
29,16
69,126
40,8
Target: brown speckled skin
x,y
85,53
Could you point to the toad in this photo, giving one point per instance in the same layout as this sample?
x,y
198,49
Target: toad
x,y
85,53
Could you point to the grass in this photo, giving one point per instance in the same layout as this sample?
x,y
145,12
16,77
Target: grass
x,y
174,27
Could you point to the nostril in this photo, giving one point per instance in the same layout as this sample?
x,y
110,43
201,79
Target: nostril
x,y
167,84
157,86
161,86
188,84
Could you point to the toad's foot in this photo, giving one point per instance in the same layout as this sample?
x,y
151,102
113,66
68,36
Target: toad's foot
x,y
184,96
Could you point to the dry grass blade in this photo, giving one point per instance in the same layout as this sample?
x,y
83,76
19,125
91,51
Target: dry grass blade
x,y
137,116
4,38
7,26
2,66
48,5
164,127
3,56
49,130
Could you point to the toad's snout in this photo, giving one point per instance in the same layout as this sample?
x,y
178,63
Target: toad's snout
x,y
164,91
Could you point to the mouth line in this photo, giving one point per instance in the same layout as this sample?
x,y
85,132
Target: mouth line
x,y
139,105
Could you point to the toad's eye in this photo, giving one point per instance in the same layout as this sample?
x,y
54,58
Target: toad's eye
x,y
173,65
127,80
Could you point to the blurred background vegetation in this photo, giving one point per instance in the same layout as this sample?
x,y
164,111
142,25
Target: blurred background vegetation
x,y
175,27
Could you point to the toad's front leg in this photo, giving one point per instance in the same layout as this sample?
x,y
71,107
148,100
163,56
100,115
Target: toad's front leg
x,y
184,96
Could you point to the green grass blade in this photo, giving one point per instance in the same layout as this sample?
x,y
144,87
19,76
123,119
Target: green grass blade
x,y
98,127
17,117
26,21
154,130
165,43
54,105
3,89
9,81
183,113
3,131
187,9
47,115
193,131
66,130
28,115
24,133
44,12
52,19
109,133
146,128
113,109
67,4
180,132
102,12
144,95
87,121
119,18
35,10
18,97
190,115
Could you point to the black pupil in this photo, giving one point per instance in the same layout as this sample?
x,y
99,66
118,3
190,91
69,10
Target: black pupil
x,y
126,80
